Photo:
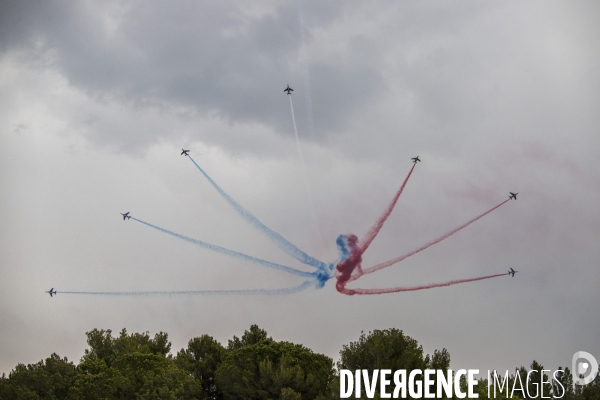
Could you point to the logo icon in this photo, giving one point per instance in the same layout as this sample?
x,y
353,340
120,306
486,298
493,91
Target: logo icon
x,y
584,364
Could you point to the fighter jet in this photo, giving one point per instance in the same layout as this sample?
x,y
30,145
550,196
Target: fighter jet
x,y
288,90
513,195
51,292
184,152
416,159
126,216
512,272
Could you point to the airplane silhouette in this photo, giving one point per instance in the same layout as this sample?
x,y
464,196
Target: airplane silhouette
x,y
184,152
416,159
126,216
512,272
513,195
288,89
51,292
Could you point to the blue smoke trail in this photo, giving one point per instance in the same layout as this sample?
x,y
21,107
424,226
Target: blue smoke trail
x,y
279,240
231,253
308,191
248,292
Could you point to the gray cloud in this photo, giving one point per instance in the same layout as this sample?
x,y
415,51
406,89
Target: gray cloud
x,y
206,57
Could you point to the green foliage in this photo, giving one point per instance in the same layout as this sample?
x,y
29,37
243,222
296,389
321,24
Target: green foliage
x,y
390,349
289,394
384,349
131,366
254,335
535,388
566,380
257,367
48,380
104,347
201,359
592,391
138,366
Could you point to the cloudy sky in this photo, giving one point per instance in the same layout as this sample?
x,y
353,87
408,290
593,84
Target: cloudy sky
x,y
98,98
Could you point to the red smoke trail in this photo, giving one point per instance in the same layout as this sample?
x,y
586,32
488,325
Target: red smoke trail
x,y
398,259
351,292
372,233
344,269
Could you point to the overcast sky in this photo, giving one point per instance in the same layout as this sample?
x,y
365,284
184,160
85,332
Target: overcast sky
x,y
98,98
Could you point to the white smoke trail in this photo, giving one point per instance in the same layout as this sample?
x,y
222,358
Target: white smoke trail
x,y
308,191
306,81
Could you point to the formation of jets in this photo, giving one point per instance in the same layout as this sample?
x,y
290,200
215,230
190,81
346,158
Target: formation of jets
x,y
289,90
51,292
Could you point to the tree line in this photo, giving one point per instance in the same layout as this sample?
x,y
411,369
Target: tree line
x,y
254,366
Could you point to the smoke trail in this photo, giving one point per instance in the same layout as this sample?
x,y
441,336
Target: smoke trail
x,y
291,290
372,233
230,253
308,191
351,292
279,240
398,259
307,96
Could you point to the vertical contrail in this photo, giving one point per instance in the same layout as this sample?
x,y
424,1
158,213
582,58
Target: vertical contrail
x,y
308,191
275,237
228,252
307,96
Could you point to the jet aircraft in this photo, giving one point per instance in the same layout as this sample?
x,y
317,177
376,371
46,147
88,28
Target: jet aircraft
x,y
51,292
184,152
512,272
416,159
126,216
288,90
513,195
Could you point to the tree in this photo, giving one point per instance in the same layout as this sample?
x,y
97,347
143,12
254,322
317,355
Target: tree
x,y
390,349
289,394
49,380
201,359
257,367
383,349
252,367
254,335
565,380
592,390
534,384
104,347
129,366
